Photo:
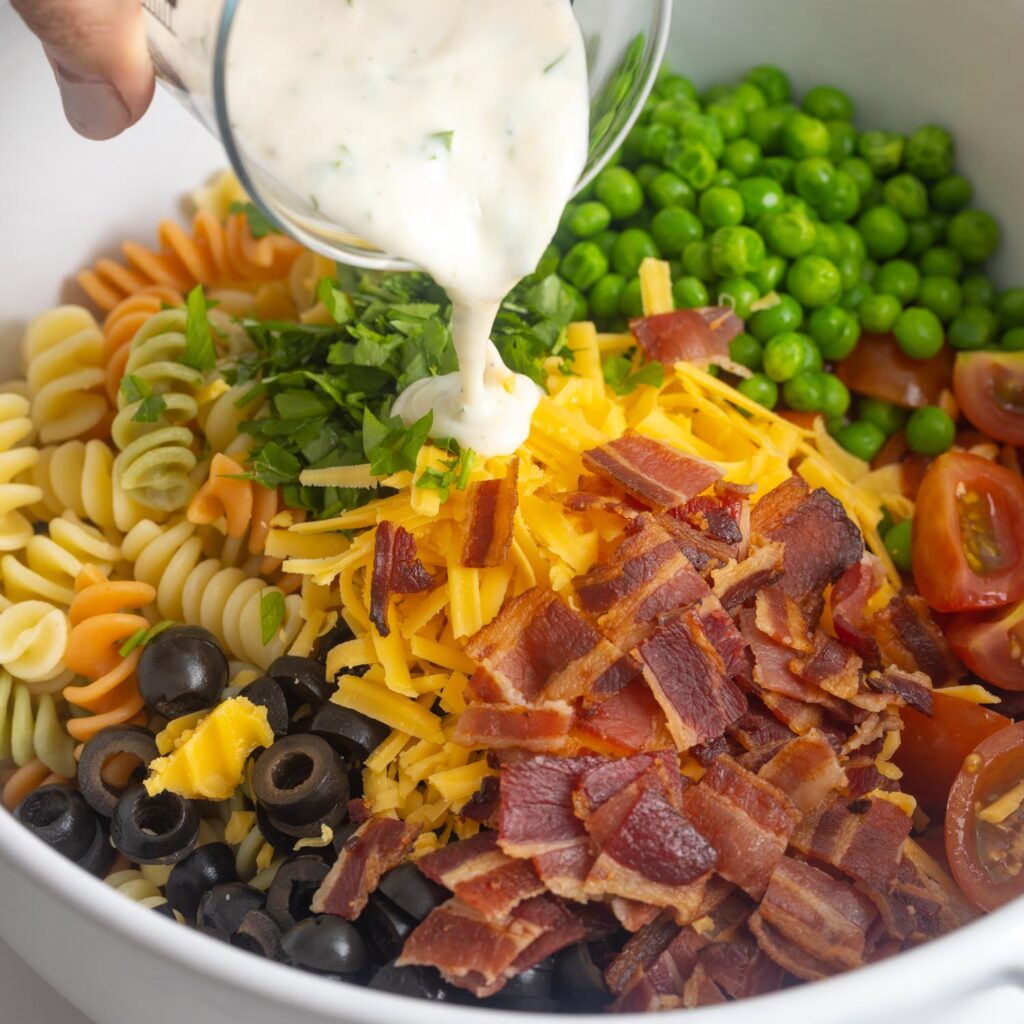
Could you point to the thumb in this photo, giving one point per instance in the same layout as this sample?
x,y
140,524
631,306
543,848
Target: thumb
x,y
97,49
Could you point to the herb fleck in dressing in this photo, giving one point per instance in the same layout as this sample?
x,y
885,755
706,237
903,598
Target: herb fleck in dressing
x,y
449,132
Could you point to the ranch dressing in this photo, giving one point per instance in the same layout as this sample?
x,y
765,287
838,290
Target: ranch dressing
x,y
448,132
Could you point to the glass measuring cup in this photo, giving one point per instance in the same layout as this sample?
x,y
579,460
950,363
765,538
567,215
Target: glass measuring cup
x,y
190,40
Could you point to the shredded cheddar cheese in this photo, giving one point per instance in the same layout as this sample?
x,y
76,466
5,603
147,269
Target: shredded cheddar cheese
x,y
975,693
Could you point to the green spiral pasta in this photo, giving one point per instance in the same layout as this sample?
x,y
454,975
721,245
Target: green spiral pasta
x,y
30,728
157,457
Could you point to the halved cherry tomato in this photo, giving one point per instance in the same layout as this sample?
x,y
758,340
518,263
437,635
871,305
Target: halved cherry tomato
x,y
984,833
968,548
990,389
991,645
880,368
932,748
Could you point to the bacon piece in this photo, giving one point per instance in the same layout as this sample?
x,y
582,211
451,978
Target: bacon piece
x,y
629,722
703,551
721,516
396,570
865,845
737,582
661,983
376,847
654,472
740,968
587,501
832,666
687,677
795,714
913,688
484,803
700,990
482,876
745,818
778,616
640,951
633,915
695,335
492,507
807,770
542,728
757,729
602,672
647,576
848,602
822,922
724,637
595,786
908,638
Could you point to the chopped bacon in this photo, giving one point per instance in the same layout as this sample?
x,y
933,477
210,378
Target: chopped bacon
x,y
652,471
812,924
908,638
848,602
660,983
629,722
807,770
745,818
913,688
737,582
376,847
778,616
701,990
740,968
587,501
640,951
598,784
866,845
633,915
482,876
720,516
492,507
602,672
722,634
687,677
542,728
483,805
396,570
703,551
832,667
795,714
757,729
695,335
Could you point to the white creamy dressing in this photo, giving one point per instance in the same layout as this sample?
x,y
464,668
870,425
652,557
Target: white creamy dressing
x,y
448,132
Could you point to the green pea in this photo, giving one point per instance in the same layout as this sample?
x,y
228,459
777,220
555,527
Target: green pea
x,y
1013,339
804,136
725,179
898,277
814,281
974,234
787,354
656,142
703,129
749,96
828,103
827,242
620,192
883,151
742,157
930,430
849,268
952,193
1011,307
631,301
606,296
919,332
939,222
973,327
835,331
668,189
589,219
978,290
670,113
772,81
739,293
878,313
778,167
860,170
941,261
693,162
921,237
813,178
930,152
721,207
786,315
760,195
674,229
897,542
673,86
690,293
884,231
842,201
835,400
805,391
907,195
632,247
761,389
849,241
730,118
581,308
583,265
844,140
887,417
735,251
746,350
864,440
868,271
941,295
697,261
769,274
790,234
605,241
764,127
646,173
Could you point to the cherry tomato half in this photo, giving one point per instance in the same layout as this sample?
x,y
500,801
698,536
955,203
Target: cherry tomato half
x,y
989,387
991,645
984,833
880,368
933,747
968,549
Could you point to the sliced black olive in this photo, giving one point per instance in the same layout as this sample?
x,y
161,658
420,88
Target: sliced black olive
x,y
339,633
579,982
385,928
282,842
200,871
182,671
326,944
160,829
411,891
353,736
114,740
164,910
300,781
222,909
343,834
416,982
101,854
302,680
267,693
60,817
258,934
290,895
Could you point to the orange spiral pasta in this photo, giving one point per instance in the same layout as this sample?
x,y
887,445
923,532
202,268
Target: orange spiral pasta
x,y
243,504
26,780
102,619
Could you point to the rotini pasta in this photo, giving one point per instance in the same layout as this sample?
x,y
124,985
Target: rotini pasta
x,y
15,495
31,729
221,417
33,638
143,885
63,353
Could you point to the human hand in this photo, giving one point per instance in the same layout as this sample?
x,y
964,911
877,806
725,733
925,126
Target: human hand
x,y
97,49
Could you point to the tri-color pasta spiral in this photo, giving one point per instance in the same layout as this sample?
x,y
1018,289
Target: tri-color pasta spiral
x,y
15,462
33,638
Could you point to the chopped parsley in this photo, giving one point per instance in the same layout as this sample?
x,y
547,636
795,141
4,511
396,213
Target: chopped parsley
x,y
151,407
200,352
445,138
271,614
141,637
455,473
620,376
260,225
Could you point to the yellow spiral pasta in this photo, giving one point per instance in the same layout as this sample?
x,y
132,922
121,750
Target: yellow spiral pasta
x,y
33,639
31,729
15,426
63,353
204,592
220,419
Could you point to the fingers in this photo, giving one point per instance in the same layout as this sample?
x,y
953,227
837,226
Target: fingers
x,y
97,49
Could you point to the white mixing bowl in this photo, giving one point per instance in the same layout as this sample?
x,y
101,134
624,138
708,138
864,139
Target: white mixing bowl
x,y
64,201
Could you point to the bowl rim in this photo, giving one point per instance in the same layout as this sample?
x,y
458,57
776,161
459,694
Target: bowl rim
x,y
874,987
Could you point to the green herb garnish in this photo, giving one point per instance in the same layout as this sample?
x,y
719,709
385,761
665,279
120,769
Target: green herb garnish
x,y
455,473
445,138
200,352
151,407
260,225
141,637
623,380
271,614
